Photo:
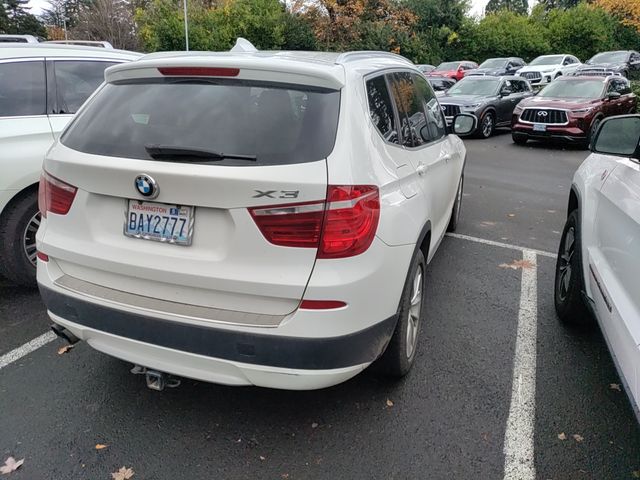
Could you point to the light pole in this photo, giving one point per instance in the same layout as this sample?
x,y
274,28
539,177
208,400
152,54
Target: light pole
x,y
186,26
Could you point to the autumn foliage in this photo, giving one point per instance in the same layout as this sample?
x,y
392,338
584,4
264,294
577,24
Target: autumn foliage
x,y
627,11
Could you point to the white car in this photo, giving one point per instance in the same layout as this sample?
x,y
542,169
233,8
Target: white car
x,y
41,87
546,68
598,263
250,217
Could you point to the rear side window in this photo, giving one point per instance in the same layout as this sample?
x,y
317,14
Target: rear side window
x,y
75,81
276,124
381,109
22,89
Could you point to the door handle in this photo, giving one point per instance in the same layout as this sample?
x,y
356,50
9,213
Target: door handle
x,y
421,169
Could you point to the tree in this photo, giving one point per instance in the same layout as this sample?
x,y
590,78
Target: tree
x,y
4,20
504,34
517,6
582,31
551,4
110,20
19,21
626,11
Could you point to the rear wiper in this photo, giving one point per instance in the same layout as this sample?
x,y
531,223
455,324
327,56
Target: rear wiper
x,y
188,154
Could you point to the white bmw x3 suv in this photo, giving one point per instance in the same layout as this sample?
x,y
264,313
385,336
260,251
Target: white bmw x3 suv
x,y
598,263
250,217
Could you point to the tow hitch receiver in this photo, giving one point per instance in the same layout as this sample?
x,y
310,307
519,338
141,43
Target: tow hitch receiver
x,y
156,380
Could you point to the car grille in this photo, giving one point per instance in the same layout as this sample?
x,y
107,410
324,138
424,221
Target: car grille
x,y
450,110
531,75
595,72
543,115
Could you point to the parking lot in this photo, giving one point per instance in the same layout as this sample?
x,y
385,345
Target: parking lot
x,y
500,389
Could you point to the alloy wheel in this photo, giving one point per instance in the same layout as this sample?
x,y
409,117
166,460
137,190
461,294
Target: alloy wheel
x,y
29,238
415,309
487,126
564,278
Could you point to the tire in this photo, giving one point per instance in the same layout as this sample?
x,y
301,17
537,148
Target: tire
x,y
457,207
18,226
593,129
559,74
569,279
487,125
519,138
397,359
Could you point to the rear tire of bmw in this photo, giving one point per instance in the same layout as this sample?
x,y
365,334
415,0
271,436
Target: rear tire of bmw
x,y
457,207
569,279
397,359
519,138
18,227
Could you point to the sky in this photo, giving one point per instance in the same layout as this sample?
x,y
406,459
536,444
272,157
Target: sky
x,y
477,6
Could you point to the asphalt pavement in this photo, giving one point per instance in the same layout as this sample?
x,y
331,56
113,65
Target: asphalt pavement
x,y
498,383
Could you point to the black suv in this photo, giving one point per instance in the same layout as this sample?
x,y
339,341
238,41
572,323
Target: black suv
x,y
498,67
621,62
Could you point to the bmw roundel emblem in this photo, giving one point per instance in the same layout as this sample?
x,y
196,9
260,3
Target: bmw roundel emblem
x,y
147,186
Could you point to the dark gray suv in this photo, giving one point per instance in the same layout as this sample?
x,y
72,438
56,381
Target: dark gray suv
x,y
491,99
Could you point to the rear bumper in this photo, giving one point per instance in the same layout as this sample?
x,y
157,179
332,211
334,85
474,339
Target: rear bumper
x,y
226,356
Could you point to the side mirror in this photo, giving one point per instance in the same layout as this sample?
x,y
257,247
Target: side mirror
x,y
464,124
613,95
618,136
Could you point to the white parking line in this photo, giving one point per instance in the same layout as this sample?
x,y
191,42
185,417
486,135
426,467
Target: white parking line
x,y
500,244
26,349
518,437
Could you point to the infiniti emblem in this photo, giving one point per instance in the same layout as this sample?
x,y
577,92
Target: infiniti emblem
x,y
542,113
442,107
147,186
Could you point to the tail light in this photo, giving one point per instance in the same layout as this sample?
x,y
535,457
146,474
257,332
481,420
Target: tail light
x,y
341,226
54,195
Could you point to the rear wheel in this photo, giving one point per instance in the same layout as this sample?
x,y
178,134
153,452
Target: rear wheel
x,y
519,138
569,280
398,358
18,227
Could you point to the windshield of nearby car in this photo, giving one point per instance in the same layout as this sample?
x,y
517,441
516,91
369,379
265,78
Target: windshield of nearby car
x,y
493,63
609,57
475,86
548,60
583,88
447,66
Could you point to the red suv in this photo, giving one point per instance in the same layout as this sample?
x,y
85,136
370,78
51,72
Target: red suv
x,y
571,108
455,70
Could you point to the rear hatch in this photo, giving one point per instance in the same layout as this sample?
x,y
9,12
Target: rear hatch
x,y
174,167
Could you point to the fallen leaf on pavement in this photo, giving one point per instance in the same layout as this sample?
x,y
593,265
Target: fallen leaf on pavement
x,y
488,224
100,446
578,438
615,386
65,349
263,458
518,264
562,436
636,474
10,465
314,425
123,474
389,403
511,215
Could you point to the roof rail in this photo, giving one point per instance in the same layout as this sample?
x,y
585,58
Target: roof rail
x,y
86,43
359,55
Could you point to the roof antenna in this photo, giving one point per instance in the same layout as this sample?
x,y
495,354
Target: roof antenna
x,y
243,45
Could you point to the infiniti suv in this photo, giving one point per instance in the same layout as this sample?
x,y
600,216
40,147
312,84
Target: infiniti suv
x,y
250,217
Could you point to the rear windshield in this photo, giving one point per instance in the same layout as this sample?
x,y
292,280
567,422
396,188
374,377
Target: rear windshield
x,y
275,123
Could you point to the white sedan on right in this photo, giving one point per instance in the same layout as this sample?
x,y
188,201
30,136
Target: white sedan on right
x,y
546,68
598,266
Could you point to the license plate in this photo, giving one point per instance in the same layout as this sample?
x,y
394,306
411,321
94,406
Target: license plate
x,y
159,222
539,127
